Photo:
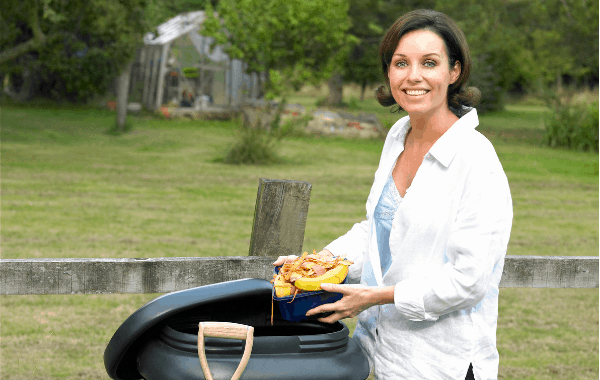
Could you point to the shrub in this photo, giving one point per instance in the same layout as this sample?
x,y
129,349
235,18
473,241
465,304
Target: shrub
x,y
572,125
259,139
254,146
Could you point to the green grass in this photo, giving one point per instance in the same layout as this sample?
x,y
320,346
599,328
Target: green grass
x,y
71,190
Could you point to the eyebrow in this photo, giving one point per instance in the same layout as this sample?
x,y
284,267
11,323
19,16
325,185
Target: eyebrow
x,y
425,55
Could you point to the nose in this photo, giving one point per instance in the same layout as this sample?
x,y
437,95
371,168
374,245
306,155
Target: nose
x,y
414,75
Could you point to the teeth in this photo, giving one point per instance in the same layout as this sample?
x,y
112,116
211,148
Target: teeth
x,y
416,92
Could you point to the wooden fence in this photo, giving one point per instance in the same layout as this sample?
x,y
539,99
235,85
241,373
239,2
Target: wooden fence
x,y
279,222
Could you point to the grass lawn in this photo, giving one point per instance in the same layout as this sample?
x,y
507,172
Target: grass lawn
x,y
71,190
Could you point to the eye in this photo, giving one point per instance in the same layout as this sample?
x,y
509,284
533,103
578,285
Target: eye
x,y
400,63
430,63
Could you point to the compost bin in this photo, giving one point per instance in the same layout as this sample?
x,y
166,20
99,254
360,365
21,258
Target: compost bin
x,y
161,339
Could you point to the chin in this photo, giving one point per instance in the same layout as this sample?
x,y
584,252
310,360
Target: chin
x,y
412,109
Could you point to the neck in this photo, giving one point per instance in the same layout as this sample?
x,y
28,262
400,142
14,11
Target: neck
x,y
429,127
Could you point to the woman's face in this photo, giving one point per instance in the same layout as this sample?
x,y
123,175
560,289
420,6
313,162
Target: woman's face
x,y
420,73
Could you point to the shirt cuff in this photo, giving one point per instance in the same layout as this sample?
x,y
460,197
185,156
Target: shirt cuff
x,y
408,299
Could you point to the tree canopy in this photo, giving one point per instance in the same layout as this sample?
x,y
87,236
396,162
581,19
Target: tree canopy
x,y
70,48
295,42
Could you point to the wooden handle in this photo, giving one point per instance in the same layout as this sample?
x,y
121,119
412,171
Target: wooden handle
x,y
225,330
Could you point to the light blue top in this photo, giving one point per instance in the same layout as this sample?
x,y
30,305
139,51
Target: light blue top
x,y
383,216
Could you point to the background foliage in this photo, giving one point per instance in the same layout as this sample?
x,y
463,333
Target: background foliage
x,y
518,46
83,45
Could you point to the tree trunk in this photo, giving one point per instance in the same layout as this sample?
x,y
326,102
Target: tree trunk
x,y
22,87
122,96
335,85
362,91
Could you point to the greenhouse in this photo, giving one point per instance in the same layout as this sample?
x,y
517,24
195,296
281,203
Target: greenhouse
x,y
177,68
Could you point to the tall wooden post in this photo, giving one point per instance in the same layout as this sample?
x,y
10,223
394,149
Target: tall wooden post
x,y
161,74
153,77
146,62
123,96
279,217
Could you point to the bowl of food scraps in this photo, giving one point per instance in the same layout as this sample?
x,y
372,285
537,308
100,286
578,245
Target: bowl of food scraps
x,y
297,284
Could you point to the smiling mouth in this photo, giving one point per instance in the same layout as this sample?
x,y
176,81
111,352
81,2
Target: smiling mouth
x,y
416,92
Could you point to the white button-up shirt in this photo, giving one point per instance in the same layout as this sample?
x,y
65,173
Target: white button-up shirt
x,y
448,242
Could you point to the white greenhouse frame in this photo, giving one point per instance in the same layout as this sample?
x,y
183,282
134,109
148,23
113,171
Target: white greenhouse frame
x,y
151,63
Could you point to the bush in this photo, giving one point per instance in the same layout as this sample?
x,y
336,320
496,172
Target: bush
x,y
255,146
573,126
259,139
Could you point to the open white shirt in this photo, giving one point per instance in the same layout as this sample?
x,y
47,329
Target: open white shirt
x,y
448,242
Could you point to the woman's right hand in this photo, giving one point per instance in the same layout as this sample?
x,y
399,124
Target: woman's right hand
x,y
284,259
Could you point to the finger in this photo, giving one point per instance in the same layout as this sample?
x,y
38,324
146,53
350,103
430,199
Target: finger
x,y
320,309
327,252
316,310
281,260
331,318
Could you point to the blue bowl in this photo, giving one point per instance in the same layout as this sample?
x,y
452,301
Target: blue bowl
x,y
295,311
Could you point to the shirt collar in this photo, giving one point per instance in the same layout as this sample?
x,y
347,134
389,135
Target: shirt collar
x,y
446,147
400,128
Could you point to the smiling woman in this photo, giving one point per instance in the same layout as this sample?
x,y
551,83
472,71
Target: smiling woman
x,y
429,257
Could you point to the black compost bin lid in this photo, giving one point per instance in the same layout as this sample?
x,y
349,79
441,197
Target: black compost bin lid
x,y
120,356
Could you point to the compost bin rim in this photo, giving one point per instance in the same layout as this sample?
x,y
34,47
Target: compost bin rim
x,y
336,337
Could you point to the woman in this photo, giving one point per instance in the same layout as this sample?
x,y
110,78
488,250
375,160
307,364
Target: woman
x,y
430,254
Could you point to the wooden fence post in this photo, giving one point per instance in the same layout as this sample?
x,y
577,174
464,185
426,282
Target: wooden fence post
x,y
279,217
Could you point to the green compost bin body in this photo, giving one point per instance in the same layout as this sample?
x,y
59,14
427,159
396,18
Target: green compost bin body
x,y
159,341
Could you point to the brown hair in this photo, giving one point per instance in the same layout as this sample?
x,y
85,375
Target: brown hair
x,y
459,94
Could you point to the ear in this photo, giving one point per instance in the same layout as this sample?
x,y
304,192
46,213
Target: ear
x,y
455,73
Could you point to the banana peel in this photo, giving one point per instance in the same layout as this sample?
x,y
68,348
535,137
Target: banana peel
x,y
332,276
282,288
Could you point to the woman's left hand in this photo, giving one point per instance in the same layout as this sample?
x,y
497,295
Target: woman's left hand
x,y
356,298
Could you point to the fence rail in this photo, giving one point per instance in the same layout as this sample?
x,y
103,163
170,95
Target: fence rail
x,y
163,275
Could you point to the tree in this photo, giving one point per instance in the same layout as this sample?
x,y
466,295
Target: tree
x,y
295,42
361,66
68,49
561,37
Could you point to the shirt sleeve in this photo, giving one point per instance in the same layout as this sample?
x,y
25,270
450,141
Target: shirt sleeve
x,y
352,245
477,242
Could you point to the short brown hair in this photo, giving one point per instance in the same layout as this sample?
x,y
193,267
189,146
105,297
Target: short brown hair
x,y
459,94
